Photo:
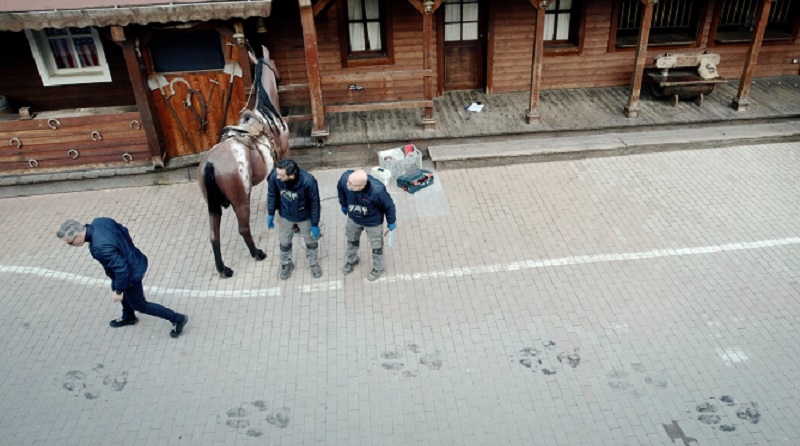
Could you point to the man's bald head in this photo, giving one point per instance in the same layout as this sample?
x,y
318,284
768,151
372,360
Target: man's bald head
x,y
357,180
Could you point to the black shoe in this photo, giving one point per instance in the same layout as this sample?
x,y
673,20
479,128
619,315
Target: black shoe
x,y
316,271
348,267
286,270
116,323
177,329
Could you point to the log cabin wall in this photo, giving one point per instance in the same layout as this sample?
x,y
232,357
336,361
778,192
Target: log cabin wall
x,y
596,66
21,83
398,81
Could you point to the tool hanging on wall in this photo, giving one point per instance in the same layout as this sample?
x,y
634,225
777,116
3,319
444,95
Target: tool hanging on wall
x,y
187,103
234,70
157,81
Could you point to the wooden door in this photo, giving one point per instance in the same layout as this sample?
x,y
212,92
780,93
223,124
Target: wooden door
x,y
462,32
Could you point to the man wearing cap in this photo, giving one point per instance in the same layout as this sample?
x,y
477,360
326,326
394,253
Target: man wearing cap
x,y
111,245
295,194
365,201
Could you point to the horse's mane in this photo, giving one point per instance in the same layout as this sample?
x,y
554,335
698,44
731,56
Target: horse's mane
x,y
265,105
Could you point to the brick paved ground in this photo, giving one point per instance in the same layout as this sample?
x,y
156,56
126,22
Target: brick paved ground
x,y
642,300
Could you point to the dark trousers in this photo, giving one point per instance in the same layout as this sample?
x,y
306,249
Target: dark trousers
x,y
133,300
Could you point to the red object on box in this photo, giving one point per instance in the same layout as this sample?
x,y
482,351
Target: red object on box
x,y
408,148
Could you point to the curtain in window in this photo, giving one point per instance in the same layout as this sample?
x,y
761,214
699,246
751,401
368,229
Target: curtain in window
x,y
365,25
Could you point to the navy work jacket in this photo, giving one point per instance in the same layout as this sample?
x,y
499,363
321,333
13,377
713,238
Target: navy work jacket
x,y
367,207
111,245
298,200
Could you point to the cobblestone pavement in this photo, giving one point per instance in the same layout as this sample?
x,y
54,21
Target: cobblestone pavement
x,y
639,300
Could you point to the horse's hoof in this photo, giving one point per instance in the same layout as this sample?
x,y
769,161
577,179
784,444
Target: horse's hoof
x,y
225,273
260,255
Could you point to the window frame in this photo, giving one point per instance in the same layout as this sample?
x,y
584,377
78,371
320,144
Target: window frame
x,y
369,57
54,76
714,31
574,44
702,12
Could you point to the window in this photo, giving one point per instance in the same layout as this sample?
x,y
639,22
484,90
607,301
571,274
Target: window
x,y
735,23
363,33
69,56
461,20
187,51
561,24
675,23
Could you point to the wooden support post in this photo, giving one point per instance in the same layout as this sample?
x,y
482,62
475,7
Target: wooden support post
x,y
243,58
428,120
117,33
144,102
632,108
740,101
318,127
427,8
532,114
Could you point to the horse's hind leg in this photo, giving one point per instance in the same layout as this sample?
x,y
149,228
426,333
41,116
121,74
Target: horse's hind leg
x,y
243,217
214,220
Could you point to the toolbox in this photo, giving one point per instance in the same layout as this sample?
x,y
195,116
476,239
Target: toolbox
x,y
415,181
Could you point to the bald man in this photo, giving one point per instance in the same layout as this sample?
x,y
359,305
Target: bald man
x,y
365,201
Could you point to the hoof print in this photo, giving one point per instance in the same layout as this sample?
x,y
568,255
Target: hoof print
x,y
280,418
749,413
432,361
709,418
392,365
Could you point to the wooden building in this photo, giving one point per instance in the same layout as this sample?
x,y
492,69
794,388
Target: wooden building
x,y
353,55
336,56
101,84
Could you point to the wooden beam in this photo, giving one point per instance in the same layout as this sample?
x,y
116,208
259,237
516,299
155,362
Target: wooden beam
x,y
417,4
532,114
632,107
376,76
369,106
243,59
144,102
428,120
740,101
318,127
321,5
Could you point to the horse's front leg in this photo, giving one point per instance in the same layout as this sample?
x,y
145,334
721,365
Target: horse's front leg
x,y
243,217
214,220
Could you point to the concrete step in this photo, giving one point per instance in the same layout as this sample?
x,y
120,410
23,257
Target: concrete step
x,y
584,145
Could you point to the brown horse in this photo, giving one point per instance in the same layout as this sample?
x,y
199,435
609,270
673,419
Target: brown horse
x,y
242,159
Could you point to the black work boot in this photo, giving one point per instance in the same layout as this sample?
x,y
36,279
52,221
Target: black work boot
x,y
349,266
286,270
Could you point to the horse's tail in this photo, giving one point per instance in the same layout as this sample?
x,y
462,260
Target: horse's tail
x,y
216,199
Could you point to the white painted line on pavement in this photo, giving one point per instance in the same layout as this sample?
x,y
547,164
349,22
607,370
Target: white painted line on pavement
x,y
82,280
580,260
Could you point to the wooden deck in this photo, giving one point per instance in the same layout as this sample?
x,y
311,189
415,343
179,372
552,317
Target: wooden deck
x,y
356,136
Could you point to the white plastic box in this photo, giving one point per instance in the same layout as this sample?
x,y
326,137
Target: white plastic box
x,y
400,163
384,175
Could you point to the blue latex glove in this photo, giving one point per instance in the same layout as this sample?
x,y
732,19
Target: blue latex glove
x,y
315,231
271,221
392,226
344,210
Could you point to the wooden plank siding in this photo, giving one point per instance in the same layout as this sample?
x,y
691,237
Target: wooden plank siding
x,y
285,42
50,147
21,84
596,66
511,31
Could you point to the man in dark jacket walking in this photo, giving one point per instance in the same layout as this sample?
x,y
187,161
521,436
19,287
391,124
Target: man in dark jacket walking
x,y
365,201
295,194
111,245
